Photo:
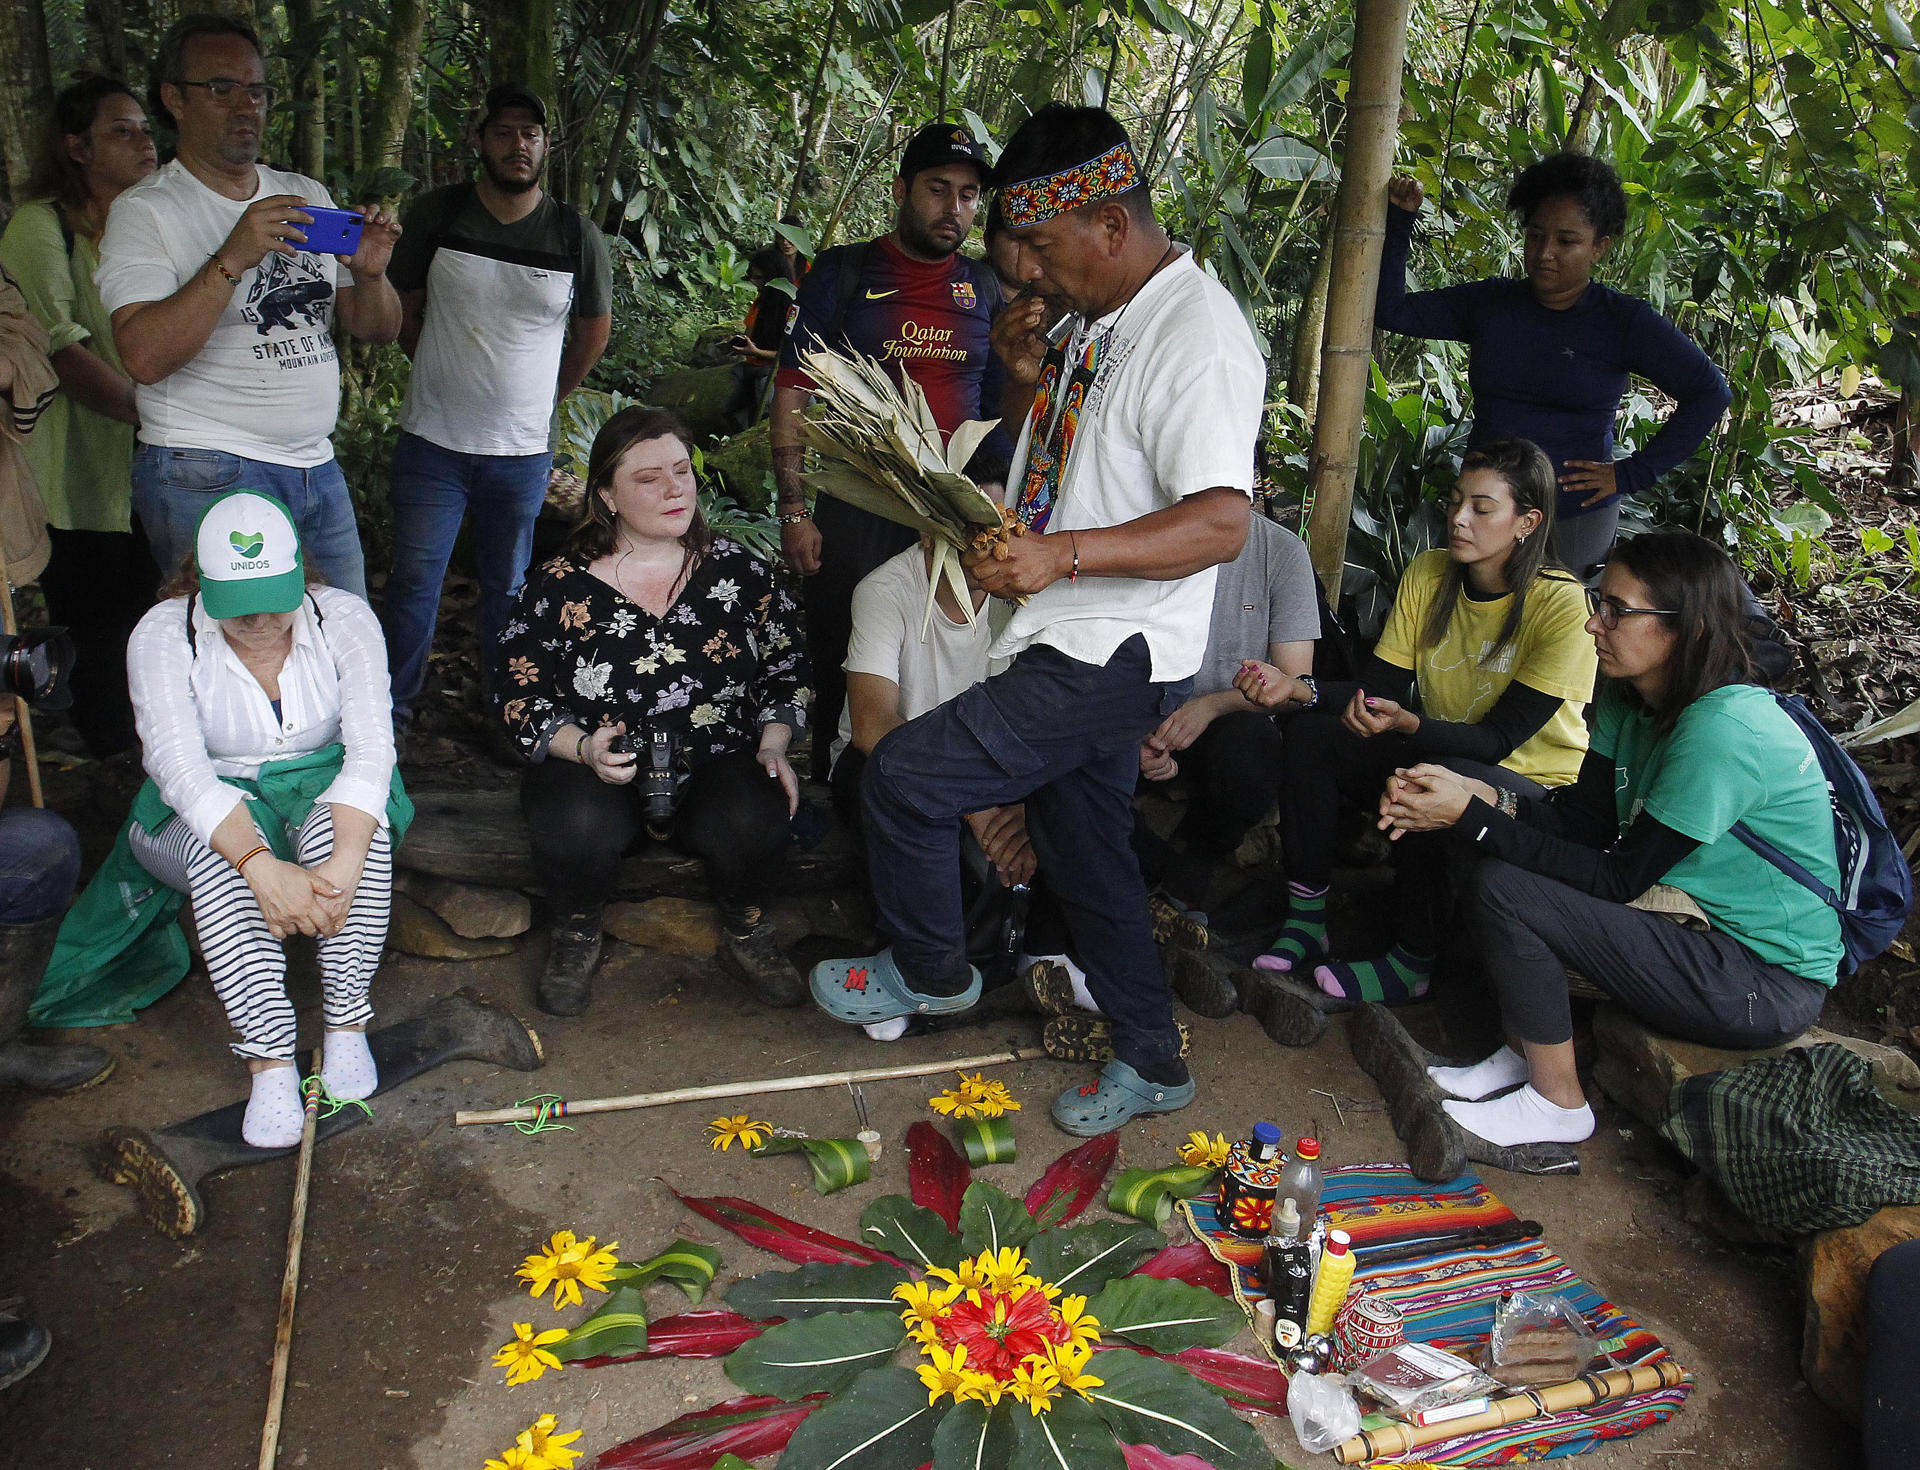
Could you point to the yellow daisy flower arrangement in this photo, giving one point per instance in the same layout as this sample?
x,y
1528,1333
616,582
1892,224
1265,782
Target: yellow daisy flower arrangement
x,y
566,1264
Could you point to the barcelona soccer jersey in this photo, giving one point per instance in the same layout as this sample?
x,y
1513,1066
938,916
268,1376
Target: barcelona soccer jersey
x,y
928,320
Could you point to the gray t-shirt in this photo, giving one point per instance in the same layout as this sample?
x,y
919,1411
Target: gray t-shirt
x,y
499,299
1263,596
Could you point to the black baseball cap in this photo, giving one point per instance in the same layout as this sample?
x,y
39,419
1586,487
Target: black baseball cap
x,y
939,144
512,94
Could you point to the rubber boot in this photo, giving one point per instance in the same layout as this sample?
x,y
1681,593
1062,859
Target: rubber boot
x,y
573,949
23,1347
24,949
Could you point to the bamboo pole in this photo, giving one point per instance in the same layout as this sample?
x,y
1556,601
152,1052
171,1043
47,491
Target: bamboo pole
x,y
1587,1389
744,1089
290,1281
1373,126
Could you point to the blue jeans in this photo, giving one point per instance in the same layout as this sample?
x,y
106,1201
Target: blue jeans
x,y
39,864
1063,736
433,488
172,489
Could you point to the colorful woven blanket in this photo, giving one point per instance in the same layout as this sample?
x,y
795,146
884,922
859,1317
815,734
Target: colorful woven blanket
x,y
1448,1299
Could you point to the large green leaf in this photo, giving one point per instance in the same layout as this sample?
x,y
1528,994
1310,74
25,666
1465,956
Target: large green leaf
x,y
987,1140
1147,1401
991,1219
972,1437
896,1225
837,1162
686,1263
1149,1194
1069,1436
881,1423
1085,1258
822,1354
1165,1315
815,1288
619,1326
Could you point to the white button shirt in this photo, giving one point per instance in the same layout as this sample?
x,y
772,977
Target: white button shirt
x,y
203,717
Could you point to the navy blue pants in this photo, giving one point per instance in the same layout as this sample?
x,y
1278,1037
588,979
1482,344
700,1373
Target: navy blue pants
x,y
1064,736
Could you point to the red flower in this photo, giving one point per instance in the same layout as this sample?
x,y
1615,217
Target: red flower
x,y
999,1331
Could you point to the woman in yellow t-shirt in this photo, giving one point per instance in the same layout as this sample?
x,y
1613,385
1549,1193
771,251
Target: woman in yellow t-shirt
x,y
1488,638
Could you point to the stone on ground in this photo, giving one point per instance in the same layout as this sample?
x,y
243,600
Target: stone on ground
x,y
473,912
682,926
1833,1268
418,930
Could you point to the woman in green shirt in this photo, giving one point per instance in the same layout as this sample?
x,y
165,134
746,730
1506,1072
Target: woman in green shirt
x,y
101,578
1683,748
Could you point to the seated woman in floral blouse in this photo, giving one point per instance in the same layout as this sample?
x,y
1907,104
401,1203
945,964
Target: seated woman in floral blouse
x,y
649,643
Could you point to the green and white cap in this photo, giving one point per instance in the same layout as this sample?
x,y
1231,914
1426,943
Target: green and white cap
x,y
248,554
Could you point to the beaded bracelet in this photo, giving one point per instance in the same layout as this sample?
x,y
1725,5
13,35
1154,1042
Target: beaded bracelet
x,y
219,265
1508,803
794,517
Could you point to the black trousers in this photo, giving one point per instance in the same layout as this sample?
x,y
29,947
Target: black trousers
x,y
1324,763
1235,772
1704,987
852,543
98,585
729,814
1891,1417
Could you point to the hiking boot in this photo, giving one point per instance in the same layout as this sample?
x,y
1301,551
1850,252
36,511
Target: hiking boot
x,y
24,950
1174,923
750,954
1203,981
1082,1036
23,1347
573,949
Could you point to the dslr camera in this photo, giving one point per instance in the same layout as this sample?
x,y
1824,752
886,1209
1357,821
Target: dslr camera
x,y
659,756
35,665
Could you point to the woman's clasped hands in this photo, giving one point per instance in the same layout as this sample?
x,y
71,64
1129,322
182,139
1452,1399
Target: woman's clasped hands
x,y
1426,798
297,900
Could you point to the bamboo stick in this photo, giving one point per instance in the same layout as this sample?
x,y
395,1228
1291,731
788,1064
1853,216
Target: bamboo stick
x,y
290,1282
745,1089
1589,1388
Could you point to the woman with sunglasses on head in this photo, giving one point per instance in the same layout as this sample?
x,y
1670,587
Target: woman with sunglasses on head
x,y
1489,634
1684,748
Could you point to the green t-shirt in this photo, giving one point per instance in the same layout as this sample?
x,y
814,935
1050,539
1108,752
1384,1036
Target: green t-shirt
x,y
82,460
1734,756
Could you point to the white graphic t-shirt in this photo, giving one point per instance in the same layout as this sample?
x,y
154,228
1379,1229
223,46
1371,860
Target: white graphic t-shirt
x,y
266,385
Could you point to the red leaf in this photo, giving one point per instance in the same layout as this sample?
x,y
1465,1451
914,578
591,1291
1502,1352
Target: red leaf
x,y
707,1332
1072,1181
759,1226
1189,1263
1151,1457
749,1426
937,1176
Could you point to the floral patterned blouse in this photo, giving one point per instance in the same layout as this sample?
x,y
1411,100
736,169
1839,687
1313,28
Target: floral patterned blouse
x,y
724,660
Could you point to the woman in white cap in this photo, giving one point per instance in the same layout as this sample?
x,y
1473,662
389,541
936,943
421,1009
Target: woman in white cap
x,y
266,729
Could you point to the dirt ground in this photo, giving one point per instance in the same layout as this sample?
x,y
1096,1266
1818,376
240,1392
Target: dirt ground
x,y
161,1348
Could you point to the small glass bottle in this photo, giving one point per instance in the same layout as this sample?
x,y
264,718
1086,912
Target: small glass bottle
x,y
1248,1184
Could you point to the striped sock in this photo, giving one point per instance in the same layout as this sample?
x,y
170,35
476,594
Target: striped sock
x,y
1398,976
1305,936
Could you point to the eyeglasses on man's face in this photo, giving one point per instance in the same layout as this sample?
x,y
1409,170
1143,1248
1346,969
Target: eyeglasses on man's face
x,y
1610,610
225,91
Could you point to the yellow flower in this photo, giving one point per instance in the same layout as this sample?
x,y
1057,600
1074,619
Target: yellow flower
x,y
944,1372
548,1449
1075,1318
512,1458
1004,1270
965,1277
1033,1283
1200,1152
567,1264
750,1134
1036,1385
980,1388
956,1105
1068,1361
990,1095
923,1304
526,1357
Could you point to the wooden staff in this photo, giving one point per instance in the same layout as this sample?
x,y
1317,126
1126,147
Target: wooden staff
x,y
1587,1389
22,714
290,1281
742,1089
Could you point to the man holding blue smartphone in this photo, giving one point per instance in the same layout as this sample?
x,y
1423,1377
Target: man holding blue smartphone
x,y
222,309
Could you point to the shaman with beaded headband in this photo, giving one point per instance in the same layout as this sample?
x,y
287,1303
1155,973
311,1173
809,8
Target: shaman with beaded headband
x,y
1033,201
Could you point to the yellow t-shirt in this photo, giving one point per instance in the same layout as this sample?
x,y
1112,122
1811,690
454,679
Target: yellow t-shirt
x,y
1458,681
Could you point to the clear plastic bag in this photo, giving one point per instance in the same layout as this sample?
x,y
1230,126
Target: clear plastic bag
x,y
1323,1411
1539,1338
1416,1375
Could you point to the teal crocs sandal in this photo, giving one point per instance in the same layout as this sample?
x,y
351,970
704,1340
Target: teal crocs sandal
x,y
868,989
1117,1096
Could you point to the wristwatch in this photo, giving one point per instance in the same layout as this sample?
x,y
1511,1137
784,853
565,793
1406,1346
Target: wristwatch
x,y
1312,688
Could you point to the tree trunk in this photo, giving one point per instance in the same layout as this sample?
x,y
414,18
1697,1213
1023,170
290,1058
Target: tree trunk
x,y
813,111
1903,469
1373,125
26,89
107,38
1309,332
1582,116
308,63
393,100
604,203
522,48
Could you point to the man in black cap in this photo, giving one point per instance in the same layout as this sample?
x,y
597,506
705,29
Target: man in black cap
x,y
913,302
506,295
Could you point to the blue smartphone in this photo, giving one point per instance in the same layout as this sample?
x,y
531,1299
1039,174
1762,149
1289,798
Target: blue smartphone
x,y
333,231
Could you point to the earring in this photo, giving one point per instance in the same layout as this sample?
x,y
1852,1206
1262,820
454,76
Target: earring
x,y
1521,537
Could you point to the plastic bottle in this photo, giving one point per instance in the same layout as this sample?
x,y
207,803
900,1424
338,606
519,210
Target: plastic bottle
x,y
1287,1263
1330,1282
1300,1182
1247,1186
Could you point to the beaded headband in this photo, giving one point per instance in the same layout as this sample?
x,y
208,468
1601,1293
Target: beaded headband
x,y
1030,202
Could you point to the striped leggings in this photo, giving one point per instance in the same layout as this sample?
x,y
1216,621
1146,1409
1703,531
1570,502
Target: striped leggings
x,y
247,964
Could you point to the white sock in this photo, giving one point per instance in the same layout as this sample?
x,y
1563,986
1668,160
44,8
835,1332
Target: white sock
x,y
347,1066
887,1030
1505,1068
274,1116
1522,1117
